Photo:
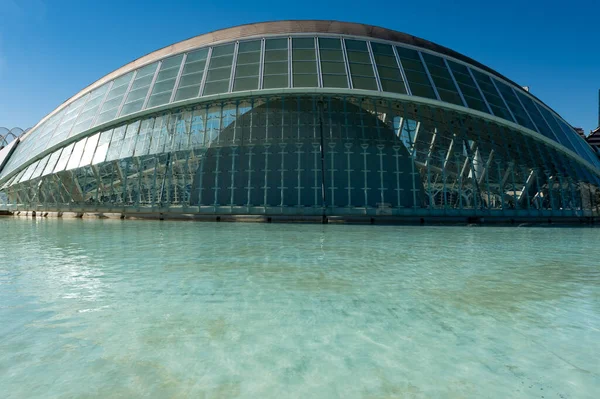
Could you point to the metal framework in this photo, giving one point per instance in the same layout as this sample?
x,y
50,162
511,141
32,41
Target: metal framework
x,y
378,146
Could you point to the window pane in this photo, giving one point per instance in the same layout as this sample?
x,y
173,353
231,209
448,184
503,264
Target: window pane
x,y
253,46
139,89
276,68
305,81
186,92
491,95
90,110
165,81
467,87
276,63
76,155
51,162
193,79
387,68
247,67
361,68
360,82
90,148
276,44
102,148
64,158
250,83
219,70
303,43
248,58
442,79
275,81
114,99
415,73
246,70
191,76
335,81
276,55
514,105
216,87
198,55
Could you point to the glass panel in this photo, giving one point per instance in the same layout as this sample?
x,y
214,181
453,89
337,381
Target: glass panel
x,y
276,44
247,66
241,84
276,65
442,79
128,145
467,87
542,126
76,155
64,158
335,81
28,172
113,99
585,149
40,167
558,132
299,81
85,118
514,105
102,149
19,176
415,73
333,68
216,87
139,89
64,128
304,66
191,77
52,162
116,142
361,69
491,95
159,134
165,81
387,67
90,148
219,70
142,144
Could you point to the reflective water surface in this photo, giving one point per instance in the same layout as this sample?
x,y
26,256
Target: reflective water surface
x,y
97,309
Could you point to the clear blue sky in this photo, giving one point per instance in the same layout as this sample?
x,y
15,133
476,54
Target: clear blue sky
x,y
49,50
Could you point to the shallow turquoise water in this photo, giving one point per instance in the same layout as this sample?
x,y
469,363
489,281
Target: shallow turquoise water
x,y
92,308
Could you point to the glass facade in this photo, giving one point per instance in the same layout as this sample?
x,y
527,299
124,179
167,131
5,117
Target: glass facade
x,y
300,154
397,135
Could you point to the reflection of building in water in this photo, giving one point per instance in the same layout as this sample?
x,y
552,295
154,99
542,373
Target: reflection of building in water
x,y
304,118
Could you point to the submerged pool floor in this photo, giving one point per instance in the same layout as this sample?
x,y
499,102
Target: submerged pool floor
x,y
111,308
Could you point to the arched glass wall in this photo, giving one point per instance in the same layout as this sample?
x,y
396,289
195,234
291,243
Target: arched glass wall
x,y
309,155
350,64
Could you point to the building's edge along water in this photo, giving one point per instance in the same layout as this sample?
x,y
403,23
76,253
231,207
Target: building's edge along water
x,y
304,120
424,220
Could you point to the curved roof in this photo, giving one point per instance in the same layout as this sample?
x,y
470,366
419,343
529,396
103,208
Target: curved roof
x,y
297,57
287,27
279,28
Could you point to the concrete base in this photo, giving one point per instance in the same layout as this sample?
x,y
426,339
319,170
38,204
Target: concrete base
x,y
517,221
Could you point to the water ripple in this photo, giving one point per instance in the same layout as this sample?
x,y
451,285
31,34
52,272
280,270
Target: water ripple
x,y
127,309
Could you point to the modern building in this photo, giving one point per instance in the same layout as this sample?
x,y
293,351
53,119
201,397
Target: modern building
x,y
580,132
305,119
9,135
594,139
